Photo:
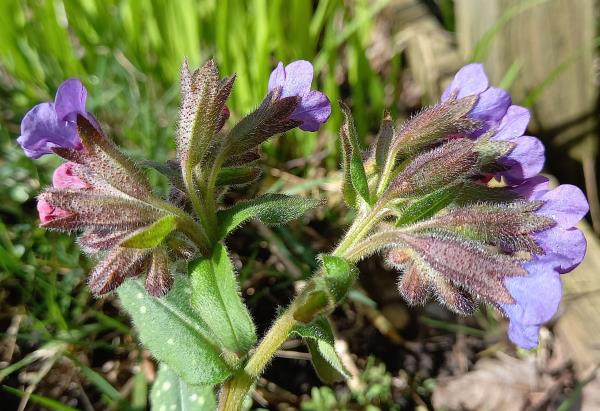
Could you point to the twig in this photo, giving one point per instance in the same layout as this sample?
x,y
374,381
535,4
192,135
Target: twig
x,y
294,355
11,338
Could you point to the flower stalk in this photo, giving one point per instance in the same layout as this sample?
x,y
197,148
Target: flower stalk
x,y
234,391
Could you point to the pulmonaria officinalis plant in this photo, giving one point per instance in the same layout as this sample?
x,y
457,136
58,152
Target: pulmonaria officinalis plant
x,y
452,198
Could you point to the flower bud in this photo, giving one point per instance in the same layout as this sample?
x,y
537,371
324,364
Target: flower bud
x,y
452,161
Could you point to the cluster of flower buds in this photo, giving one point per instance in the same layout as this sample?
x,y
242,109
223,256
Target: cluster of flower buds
x,y
104,196
461,209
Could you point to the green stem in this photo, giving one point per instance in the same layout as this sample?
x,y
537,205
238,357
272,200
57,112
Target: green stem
x,y
235,390
359,229
211,184
386,174
207,221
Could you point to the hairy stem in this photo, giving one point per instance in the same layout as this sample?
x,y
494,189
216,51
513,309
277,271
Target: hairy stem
x,y
210,187
208,225
235,390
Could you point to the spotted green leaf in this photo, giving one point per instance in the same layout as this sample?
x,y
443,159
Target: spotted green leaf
x,y
216,298
175,333
171,393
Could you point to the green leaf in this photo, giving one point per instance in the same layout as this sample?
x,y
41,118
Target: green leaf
x,y
347,188
427,206
268,208
355,178
319,338
340,276
175,334
169,392
152,235
384,140
216,297
359,178
237,175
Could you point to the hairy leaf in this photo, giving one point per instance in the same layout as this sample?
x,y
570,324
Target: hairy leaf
x,y
359,178
169,392
319,338
175,333
355,179
384,140
268,208
216,297
152,235
428,205
347,188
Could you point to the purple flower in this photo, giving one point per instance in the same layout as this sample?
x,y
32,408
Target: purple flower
x,y
508,122
538,294
295,79
49,125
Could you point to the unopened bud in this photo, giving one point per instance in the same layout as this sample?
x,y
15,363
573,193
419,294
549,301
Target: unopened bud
x,y
436,168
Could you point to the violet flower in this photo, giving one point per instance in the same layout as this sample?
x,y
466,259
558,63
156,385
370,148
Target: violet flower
x,y
295,79
53,124
538,294
508,122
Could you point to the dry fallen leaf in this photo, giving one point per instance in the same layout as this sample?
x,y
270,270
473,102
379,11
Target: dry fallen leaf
x,y
500,384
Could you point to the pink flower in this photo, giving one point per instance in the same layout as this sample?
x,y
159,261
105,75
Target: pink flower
x,y
65,178
48,213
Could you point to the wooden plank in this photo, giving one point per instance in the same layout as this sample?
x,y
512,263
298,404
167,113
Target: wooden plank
x,y
551,40
553,43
